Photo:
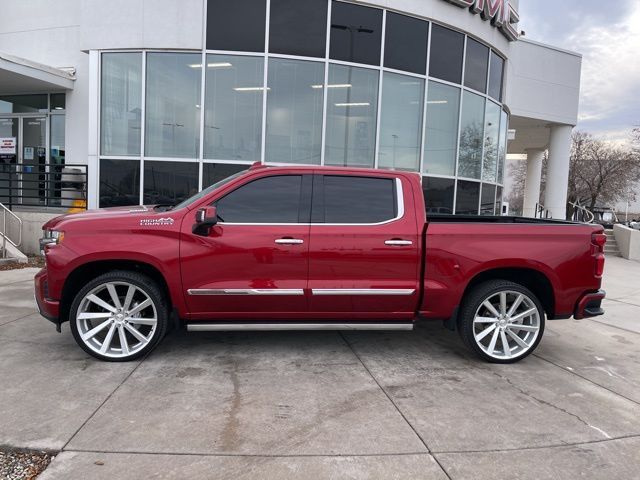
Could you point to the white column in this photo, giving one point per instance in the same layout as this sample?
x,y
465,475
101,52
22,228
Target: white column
x,y
532,182
93,130
557,182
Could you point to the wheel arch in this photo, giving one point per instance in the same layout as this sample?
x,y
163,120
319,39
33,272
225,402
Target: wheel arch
x,y
533,279
88,271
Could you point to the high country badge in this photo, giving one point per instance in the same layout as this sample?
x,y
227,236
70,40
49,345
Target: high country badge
x,y
149,222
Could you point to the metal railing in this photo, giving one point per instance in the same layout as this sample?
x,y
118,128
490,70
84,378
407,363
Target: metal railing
x,y
43,185
542,212
581,214
5,234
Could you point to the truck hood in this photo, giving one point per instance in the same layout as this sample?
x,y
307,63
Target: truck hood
x,y
100,214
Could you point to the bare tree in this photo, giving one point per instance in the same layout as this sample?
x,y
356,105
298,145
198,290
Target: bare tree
x,y
601,172
517,170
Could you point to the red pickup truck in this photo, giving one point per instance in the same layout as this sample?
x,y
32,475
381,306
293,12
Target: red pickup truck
x,y
303,248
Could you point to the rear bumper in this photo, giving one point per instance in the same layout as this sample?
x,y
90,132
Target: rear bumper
x,y
49,309
589,305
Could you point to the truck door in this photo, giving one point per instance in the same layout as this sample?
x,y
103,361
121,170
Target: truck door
x,y
364,255
254,262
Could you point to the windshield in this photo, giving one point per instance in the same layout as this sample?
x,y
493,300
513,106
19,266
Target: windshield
x,y
207,190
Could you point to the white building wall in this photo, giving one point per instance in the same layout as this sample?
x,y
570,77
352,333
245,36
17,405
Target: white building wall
x,y
175,24
543,82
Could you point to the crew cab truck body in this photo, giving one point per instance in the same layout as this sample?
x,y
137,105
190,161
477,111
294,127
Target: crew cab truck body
x,y
314,248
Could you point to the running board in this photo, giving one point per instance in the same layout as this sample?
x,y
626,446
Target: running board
x,y
216,327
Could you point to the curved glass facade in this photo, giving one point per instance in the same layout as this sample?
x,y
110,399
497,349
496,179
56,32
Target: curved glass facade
x,y
313,82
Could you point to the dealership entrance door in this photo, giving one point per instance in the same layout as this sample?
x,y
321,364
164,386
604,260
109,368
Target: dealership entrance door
x,y
33,171
23,159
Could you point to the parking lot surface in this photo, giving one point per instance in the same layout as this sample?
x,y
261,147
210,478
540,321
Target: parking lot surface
x,y
327,404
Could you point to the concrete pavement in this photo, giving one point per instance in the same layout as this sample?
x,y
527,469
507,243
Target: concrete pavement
x,y
328,405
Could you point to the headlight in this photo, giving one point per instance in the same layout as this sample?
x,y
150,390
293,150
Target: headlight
x,y
51,237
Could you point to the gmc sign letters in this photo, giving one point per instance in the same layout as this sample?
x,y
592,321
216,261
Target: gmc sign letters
x,y
500,12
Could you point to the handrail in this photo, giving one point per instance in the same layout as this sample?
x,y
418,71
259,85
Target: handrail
x,y
541,211
4,234
44,185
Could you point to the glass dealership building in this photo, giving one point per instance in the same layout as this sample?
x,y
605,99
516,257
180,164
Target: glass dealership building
x,y
162,101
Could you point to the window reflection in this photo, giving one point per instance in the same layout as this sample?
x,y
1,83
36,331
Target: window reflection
x,y
447,49
498,210
471,135
495,76
214,172
476,66
402,31
487,200
173,105
121,103
438,195
169,183
298,27
24,103
356,33
233,117
502,149
443,109
491,137
352,105
401,122
294,111
238,25
467,198
119,183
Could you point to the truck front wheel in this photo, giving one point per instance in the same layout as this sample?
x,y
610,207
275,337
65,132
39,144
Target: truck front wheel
x,y
119,316
501,321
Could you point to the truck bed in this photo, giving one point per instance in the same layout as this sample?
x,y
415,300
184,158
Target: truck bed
x,y
443,218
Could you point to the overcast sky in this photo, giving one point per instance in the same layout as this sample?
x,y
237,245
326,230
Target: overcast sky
x,y
607,34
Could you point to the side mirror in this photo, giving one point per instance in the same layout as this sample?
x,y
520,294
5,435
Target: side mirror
x,y
205,218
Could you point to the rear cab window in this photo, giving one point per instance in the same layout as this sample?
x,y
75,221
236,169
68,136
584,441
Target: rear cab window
x,y
347,199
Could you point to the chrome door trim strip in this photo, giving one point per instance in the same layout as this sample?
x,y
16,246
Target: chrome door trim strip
x,y
362,291
215,327
245,291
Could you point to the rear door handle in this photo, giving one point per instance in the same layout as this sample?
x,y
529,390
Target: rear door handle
x,y
398,243
289,241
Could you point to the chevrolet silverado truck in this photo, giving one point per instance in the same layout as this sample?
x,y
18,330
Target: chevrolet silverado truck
x,y
314,248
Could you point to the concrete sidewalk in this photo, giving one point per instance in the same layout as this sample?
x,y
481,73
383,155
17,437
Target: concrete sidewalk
x,y
328,405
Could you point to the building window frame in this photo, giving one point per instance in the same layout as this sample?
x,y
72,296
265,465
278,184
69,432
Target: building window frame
x,y
325,61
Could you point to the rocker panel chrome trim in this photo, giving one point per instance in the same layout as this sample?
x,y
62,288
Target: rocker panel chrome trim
x,y
213,327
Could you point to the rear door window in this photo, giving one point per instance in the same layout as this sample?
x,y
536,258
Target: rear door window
x,y
353,200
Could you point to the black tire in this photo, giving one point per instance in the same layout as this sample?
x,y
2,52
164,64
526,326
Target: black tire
x,y
144,285
473,302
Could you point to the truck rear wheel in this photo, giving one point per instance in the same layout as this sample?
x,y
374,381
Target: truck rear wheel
x,y
119,316
501,321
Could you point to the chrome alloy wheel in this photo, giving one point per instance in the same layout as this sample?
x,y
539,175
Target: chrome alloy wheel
x,y
506,325
116,319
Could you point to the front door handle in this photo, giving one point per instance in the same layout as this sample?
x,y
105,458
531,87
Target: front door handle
x,y
289,241
398,243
